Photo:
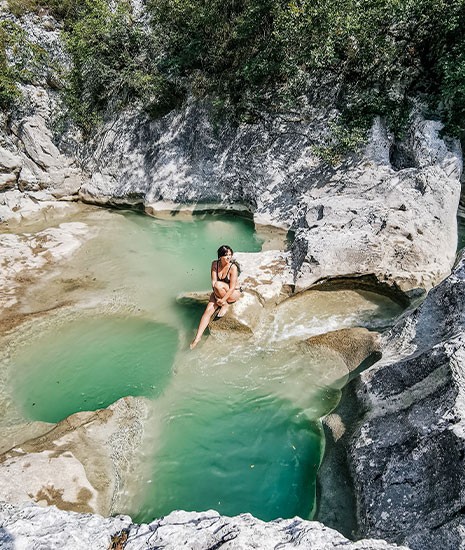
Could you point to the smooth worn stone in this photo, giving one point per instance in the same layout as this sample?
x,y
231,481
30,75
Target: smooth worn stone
x,y
33,528
78,464
406,445
194,298
354,345
26,256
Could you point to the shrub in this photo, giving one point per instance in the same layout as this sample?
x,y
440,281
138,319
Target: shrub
x,y
20,61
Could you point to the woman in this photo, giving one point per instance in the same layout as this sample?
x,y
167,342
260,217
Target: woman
x,y
224,275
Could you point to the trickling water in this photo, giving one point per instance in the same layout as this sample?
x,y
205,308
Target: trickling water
x,y
235,424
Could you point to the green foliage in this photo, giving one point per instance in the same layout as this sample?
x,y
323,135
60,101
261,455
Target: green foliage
x,y
341,140
20,61
66,10
248,56
114,64
380,54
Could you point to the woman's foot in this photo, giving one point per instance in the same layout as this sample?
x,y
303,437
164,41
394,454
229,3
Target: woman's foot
x,y
222,312
194,343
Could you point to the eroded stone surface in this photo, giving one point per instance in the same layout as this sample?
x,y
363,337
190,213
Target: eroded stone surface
x,y
354,345
406,451
33,528
360,218
79,464
24,256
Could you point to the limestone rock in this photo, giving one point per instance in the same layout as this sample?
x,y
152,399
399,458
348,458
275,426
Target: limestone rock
x,y
43,164
407,449
33,528
24,256
194,298
10,166
354,345
267,274
79,464
397,225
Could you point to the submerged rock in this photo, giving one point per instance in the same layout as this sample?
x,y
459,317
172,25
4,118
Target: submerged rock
x,y
80,463
406,428
354,345
25,257
32,527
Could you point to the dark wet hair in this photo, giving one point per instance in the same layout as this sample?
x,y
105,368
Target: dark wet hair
x,y
223,250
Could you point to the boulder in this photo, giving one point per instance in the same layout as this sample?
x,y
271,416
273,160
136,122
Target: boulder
x,y
34,527
371,219
354,345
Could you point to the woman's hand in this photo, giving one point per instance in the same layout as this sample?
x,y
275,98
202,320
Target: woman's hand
x,y
221,301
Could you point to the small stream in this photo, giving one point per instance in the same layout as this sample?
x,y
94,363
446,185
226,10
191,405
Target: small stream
x,y
235,425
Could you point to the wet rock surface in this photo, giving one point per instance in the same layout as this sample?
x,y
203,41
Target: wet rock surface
x,y
406,449
78,464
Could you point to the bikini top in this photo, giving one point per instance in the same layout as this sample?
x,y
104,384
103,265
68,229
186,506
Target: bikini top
x,y
226,278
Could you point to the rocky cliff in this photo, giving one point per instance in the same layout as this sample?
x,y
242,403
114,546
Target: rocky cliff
x,y
385,215
404,430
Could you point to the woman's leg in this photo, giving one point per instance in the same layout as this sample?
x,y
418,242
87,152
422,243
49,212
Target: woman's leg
x,y
234,297
231,299
220,289
204,320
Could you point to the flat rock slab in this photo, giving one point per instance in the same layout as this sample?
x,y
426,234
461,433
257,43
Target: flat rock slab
x,y
80,463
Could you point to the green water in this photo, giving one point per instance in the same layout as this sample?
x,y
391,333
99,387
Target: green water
x,y
91,365
235,424
274,478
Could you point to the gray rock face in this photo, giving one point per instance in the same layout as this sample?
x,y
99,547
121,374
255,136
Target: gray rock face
x,y
388,214
33,528
364,217
407,451
30,159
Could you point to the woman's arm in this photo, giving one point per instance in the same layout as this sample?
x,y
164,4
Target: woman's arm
x,y
213,274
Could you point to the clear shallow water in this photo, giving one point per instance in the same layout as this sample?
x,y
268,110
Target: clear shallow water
x,y
91,364
235,424
263,454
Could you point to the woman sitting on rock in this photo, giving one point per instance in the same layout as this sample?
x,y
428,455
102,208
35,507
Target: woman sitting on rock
x,y
224,274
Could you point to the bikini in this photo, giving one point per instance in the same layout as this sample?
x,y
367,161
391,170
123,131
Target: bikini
x,y
226,278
